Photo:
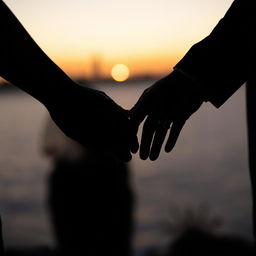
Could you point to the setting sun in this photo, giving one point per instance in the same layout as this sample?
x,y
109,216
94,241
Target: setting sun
x,y
120,73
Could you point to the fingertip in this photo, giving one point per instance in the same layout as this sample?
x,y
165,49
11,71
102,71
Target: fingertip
x,y
169,145
173,136
153,157
144,151
134,150
158,141
134,145
128,158
147,137
143,156
168,149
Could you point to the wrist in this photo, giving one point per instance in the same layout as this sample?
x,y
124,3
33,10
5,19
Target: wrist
x,y
55,90
190,83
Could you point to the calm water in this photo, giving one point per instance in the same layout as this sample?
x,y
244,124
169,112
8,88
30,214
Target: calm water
x,y
207,169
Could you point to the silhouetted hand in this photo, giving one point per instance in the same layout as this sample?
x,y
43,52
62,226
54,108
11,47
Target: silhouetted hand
x,y
170,101
93,119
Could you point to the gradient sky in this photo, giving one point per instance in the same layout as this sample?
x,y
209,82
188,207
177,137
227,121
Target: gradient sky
x,y
149,36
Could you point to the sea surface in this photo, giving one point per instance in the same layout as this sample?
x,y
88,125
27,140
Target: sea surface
x,y
205,176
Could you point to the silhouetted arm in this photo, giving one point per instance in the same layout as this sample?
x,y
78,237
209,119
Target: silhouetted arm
x,y
24,64
88,116
211,71
222,61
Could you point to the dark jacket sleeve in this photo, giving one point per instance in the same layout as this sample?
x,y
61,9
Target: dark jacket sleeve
x,y
222,62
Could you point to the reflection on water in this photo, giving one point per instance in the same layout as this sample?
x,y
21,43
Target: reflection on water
x,y
208,165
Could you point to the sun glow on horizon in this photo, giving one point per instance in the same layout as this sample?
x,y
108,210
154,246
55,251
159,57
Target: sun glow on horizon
x,y
149,36
120,72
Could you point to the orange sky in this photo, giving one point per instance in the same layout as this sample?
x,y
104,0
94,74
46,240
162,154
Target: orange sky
x,y
148,36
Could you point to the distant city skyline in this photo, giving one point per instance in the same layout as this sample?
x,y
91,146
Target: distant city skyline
x,y
147,36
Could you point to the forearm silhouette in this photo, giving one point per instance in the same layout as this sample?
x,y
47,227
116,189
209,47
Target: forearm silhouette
x,y
86,115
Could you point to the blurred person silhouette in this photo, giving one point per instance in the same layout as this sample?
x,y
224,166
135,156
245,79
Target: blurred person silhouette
x,y
90,199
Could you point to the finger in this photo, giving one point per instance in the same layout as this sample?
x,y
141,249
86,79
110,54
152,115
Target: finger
x,y
139,111
149,128
174,134
134,139
134,144
158,141
137,114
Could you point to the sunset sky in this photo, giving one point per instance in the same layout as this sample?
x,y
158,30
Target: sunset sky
x,y
148,36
